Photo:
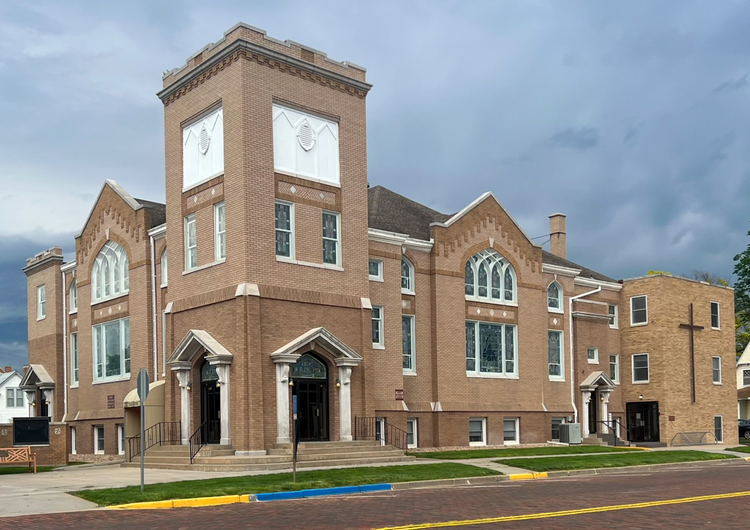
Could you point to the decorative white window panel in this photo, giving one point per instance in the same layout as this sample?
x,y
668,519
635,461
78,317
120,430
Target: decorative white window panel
x,y
716,365
640,368
284,229
491,349
377,326
638,310
110,276
203,149
331,238
74,359
407,343
191,243
555,355
407,276
111,346
489,276
305,145
73,297
220,233
477,431
41,302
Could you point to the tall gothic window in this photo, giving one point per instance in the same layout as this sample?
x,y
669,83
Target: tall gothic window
x,y
407,276
489,276
110,275
554,297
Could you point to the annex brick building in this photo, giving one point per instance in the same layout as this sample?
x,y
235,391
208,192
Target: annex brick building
x,y
273,261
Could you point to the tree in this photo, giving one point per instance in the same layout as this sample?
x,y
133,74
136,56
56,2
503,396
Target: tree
x,y
742,298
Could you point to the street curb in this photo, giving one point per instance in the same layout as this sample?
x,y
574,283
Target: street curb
x,y
182,503
647,467
319,492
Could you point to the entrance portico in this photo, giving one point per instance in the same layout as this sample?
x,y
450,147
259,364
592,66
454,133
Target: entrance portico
x,y
595,408
318,341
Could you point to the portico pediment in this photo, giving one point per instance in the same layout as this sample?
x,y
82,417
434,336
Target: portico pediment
x,y
597,379
36,377
317,339
195,343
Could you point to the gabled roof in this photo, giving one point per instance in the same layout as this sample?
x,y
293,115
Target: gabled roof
x,y
597,379
37,376
195,342
745,357
5,376
344,355
551,259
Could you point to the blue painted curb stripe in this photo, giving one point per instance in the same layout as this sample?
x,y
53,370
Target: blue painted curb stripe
x,y
301,494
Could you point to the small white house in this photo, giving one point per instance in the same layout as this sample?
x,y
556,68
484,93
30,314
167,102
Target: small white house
x,y
743,385
13,402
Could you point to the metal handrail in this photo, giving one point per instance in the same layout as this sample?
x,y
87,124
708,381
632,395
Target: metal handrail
x,y
161,433
610,424
686,436
365,428
197,440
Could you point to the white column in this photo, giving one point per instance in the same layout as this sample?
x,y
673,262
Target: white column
x,y
282,403
223,372
605,410
183,378
31,398
586,394
48,395
345,403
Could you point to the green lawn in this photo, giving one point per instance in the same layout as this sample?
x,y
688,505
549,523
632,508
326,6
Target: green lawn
x,y
25,469
741,449
611,460
281,482
527,451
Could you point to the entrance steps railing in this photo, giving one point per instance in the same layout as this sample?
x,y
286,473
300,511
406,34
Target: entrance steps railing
x,y
370,428
162,433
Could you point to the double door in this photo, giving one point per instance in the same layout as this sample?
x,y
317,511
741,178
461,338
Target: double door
x,y
643,421
312,410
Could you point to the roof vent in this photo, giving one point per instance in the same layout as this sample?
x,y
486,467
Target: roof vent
x,y
306,136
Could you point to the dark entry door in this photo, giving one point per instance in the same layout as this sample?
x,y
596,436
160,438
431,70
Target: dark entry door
x,y
643,421
312,408
593,409
210,403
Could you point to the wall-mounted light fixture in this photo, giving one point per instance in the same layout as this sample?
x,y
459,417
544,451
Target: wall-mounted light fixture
x,y
188,387
218,384
33,403
46,402
338,383
291,383
640,397
601,398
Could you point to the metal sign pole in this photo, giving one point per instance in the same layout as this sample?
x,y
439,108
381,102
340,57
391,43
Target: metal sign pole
x,y
294,439
143,388
143,428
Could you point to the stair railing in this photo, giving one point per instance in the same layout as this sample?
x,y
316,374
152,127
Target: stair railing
x,y
162,433
366,428
610,424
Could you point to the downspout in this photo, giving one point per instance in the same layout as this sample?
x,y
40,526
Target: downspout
x,y
572,351
65,349
153,309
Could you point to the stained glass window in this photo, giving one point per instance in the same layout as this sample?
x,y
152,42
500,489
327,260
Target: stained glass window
x,y
309,367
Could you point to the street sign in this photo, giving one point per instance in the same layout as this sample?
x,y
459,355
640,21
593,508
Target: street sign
x,y
142,386
143,383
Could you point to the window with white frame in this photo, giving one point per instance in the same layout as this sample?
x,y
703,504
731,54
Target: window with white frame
x,y
639,310
555,355
377,326
477,431
555,434
99,439
489,276
191,243
612,310
331,238
745,377
41,302
73,441
716,361
375,269
640,368
120,439
614,368
73,297
407,343
491,349
411,433
111,346
284,229
164,269
407,276
554,297
14,398
220,233
74,359
592,355
719,429
715,324
110,276
510,431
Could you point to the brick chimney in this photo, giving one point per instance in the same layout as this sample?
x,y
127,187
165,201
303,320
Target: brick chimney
x,y
8,369
557,234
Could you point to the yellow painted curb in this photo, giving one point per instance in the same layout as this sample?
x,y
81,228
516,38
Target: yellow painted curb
x,y
747,459
183,503
153,505
527,476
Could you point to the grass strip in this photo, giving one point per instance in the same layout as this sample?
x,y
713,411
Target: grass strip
x,y
330,478
740,449
24,469
611,460
465,454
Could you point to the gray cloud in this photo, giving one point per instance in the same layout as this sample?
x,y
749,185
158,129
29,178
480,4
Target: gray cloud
x,y
582,139
735,84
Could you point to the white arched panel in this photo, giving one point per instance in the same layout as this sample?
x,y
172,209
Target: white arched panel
x,y
203,149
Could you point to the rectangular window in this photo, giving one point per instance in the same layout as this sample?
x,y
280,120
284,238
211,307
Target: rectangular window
x,y
191,244
717,370
411,433
377,326
74,359
612,309
640,368
73,297
477,431
407,343
556,428
111,346
554,355
639,310
164,268
745,377
491,349
285,229
15,398
331,238
715,315
99,440
614,368
220,235
120,439
41,302
73,440
593,355
510,431
719,428
376,269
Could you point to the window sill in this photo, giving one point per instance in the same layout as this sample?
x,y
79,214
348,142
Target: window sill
x,y
593,361
203,267
113,380
639,324
614,327
508,442
556,379
477,444
640,382
328,266
74,385
376,279
305,177
203,181
718,384
490,301
410,373
163,286
490,376
109,298
556,311
73,311
39,319
715,329
378,346
408,291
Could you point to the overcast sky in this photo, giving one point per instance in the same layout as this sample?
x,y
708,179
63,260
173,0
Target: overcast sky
x,y
630,117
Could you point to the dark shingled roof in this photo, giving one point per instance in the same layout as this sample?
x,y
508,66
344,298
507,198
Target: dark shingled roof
x,y
392,212
158,211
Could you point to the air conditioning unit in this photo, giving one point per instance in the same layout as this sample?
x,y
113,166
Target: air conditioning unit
x,y
570,433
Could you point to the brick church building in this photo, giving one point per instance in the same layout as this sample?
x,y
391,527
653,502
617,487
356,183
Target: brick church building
x,y
274,270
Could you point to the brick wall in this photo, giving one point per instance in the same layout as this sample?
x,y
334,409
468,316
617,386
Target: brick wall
x,y
54,454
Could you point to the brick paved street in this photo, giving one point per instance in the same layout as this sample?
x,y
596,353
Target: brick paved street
x,y
435,505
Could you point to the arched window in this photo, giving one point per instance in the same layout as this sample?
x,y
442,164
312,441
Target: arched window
x,y
164,268
73,297
407,275
489,276
554,296
110,275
